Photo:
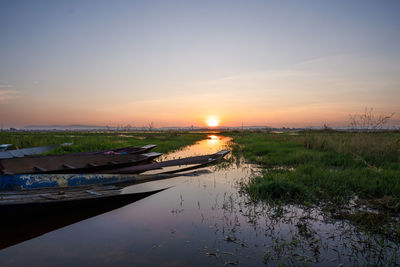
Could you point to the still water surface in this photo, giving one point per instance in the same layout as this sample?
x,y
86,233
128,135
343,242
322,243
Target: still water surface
x,y
202,220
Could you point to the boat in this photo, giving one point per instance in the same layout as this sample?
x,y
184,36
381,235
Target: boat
x,y
122,175
34,204
25,220
124,150
4,147
67,163
196,160
19,153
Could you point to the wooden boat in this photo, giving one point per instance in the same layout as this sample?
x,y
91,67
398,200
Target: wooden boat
x,y
203,160
124,150
19,153
72,163
44,203
123,175
25,220
30,213
4,147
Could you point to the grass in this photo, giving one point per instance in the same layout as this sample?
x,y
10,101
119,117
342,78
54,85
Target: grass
x,y
92,141
327,169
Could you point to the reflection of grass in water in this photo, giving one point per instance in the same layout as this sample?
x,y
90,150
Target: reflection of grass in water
x,y
305,242
327,170
91,141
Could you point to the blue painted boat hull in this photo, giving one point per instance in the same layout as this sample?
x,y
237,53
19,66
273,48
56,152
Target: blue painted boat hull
x,y
32,181
123,175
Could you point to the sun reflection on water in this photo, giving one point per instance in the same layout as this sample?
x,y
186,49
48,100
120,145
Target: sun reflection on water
x,y
213,140
212,144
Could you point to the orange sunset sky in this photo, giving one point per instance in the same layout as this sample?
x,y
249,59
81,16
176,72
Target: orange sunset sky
x,y
178,63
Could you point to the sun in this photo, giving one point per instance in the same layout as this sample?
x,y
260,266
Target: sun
x,y
212,121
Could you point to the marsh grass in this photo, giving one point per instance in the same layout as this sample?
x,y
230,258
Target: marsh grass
x,y
327,169
375,149
92,141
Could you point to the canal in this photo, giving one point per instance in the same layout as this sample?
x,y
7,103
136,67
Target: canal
x,y
203,218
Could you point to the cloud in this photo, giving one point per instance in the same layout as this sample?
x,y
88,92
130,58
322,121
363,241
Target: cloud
x,y
9,94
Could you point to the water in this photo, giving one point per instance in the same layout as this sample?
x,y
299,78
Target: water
x,y
203,220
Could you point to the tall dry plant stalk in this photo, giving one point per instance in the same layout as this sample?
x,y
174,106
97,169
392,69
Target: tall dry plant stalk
x,y
367,121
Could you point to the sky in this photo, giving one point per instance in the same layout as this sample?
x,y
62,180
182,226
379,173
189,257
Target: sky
x,y
176,63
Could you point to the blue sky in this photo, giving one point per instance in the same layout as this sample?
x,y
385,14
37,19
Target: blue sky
x,y
280,63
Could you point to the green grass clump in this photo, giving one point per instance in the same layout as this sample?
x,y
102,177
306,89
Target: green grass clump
x,y
374,149
333,168
277,186
313,183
